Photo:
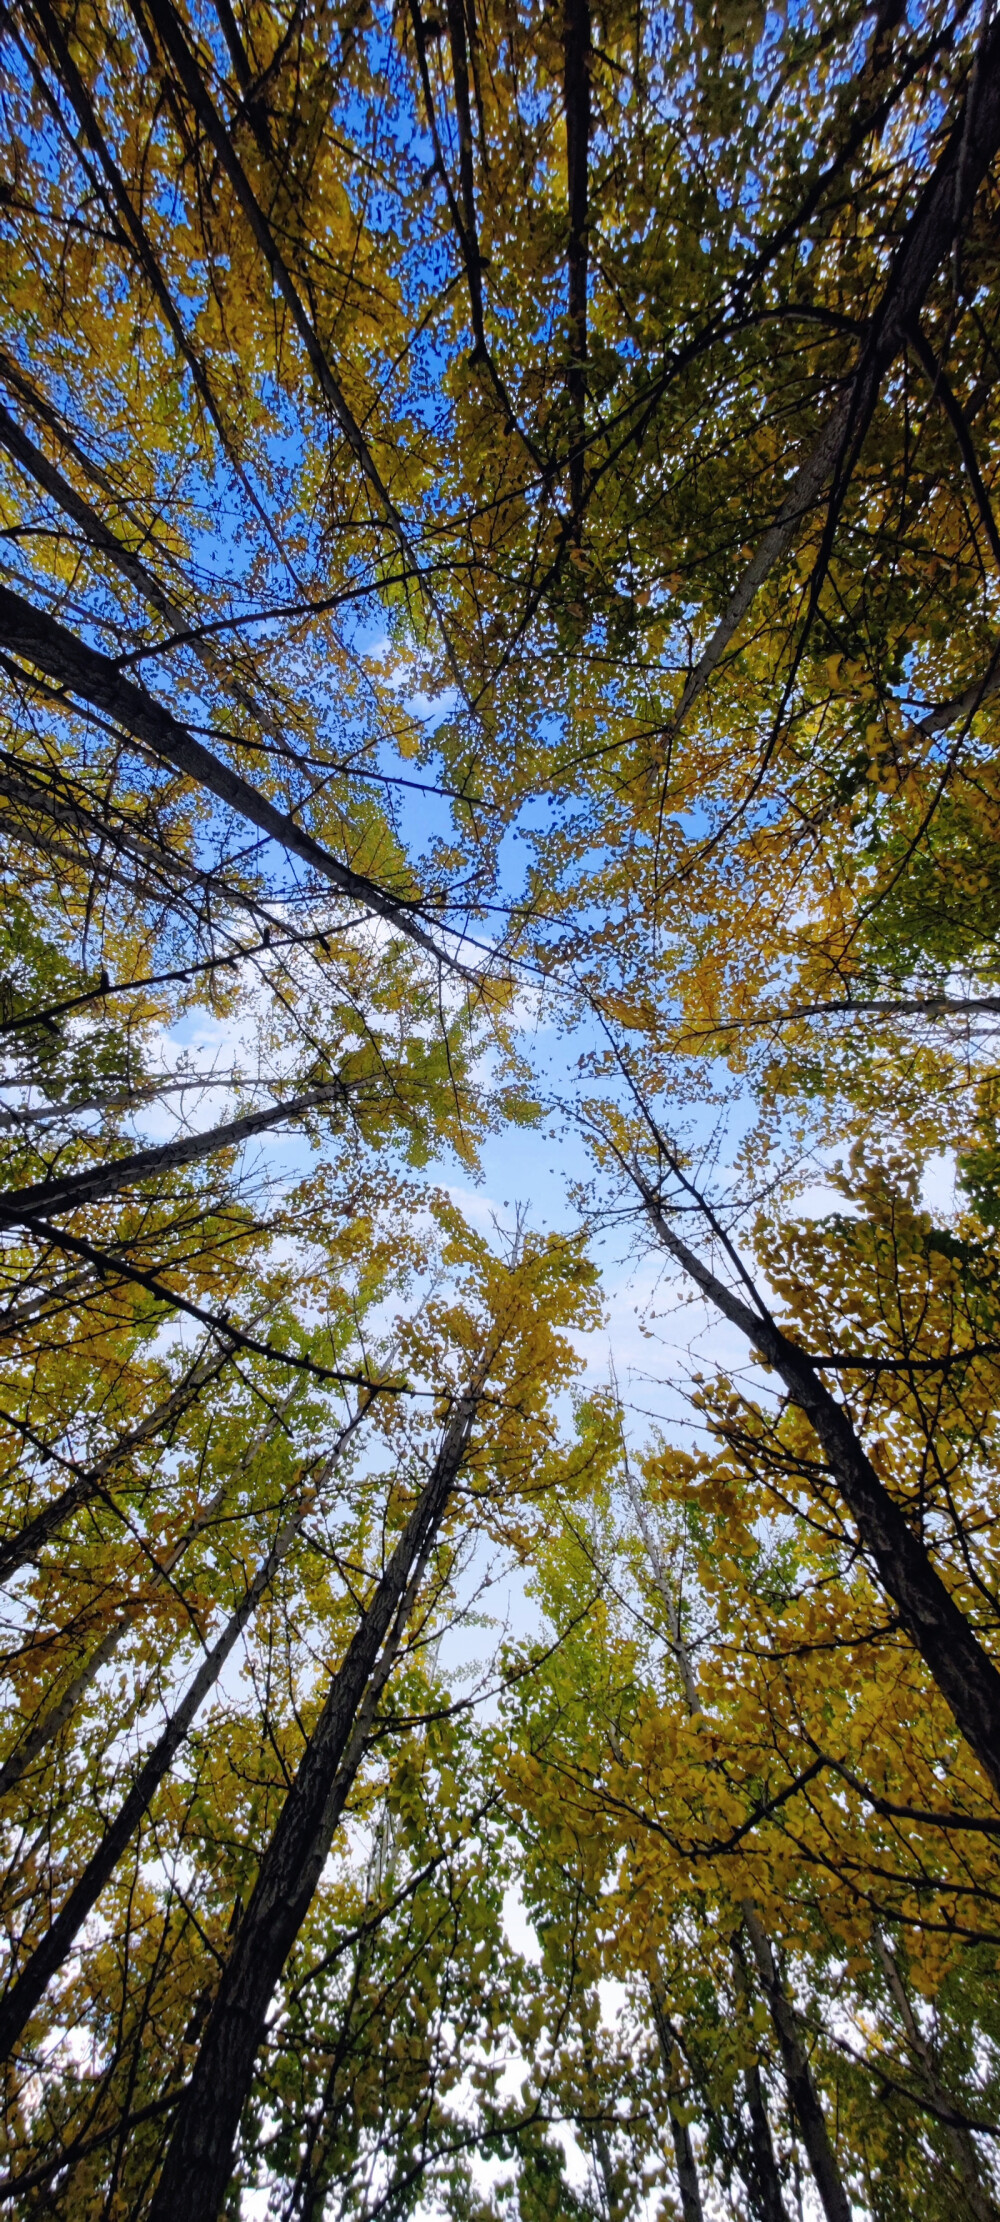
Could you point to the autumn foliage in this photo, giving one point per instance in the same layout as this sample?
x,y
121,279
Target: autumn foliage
x,y
499,665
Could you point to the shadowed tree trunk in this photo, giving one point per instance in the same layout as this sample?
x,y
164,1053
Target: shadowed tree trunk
x,y
959,2138
963,1671
30,1538
687,2167
55,1716
29,1987
941,213
767,2182
96,679
200,2154
801,2088
18,1205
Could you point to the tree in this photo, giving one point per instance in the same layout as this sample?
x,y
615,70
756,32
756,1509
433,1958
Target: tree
x,y
425,443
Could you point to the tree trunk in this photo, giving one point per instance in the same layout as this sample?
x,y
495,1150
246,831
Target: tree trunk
x,y
40,640
173,37
200,2155
801,2088
100,535
668,1599
687,2167
943,207
55,799
17,1205
55,1717
964,1672
766,2189
981,2206
459,47
29,1987
29,1539
767,2183
602,2150
576,101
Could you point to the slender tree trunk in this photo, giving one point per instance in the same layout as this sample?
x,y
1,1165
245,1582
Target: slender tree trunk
x,y
767,2182
54,1718
458,43
668,1599
100,535
16,1315
99,1181
599,2141
670,2053
576,101
40,408
844,1006
801,2088
48,1956
766,2188
30,1538
95,678
55,798
172,34
200,2155
980,2204
48,476
139,1098
941,212
965,1674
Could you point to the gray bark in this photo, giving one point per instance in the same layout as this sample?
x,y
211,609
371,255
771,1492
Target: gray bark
x,y
118,1099
981,2206
29,1539
100,535
687,2166
766,2189
668,1599
55,1717
767,2181
171,32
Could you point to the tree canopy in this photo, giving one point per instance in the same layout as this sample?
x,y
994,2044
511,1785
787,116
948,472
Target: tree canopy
x,y
499,665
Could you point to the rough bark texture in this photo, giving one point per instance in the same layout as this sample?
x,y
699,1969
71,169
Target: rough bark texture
x,y
963,1671
199,2159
